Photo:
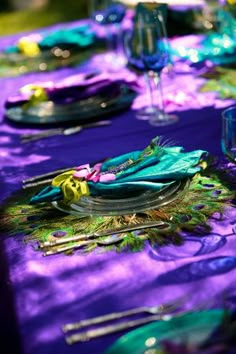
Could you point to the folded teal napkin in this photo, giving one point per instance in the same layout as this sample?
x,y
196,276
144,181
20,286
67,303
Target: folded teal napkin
x,y
152,168
81,36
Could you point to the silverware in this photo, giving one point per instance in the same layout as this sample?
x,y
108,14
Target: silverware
x,y
102,331
108,232
163,312
38,183
109,240
47,177
154,310
25,138
105,242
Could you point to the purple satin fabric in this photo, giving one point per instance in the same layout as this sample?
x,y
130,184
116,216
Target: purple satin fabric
x,y
78,87
42,294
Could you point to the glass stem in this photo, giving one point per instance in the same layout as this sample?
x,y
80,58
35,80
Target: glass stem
x,y
161,96
149,89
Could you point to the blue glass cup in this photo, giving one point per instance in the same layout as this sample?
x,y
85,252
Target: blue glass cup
x,y
108,16
228,139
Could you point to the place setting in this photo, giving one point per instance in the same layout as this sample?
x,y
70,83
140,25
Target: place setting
x,y
122,202
48,50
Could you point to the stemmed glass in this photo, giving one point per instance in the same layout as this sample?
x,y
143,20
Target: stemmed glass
x,y
108,15
147,49
228,139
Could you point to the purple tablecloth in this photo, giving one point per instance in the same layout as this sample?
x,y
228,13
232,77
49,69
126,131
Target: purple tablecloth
x,y
40,294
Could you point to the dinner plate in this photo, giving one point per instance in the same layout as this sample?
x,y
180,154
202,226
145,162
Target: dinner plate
x,y
17,63
83,110
193,328
141,201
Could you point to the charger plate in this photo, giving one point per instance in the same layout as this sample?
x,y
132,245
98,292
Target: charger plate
x,y
141,201
16,63
193,328
83,110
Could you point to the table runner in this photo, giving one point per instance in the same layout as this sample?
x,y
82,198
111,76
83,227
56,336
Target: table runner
x,y
48,292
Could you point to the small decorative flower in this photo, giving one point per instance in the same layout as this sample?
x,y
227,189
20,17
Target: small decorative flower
x,y
93,174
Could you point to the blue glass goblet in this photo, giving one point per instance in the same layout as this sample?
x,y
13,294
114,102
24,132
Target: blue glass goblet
x,y
147,49
109,15
228,138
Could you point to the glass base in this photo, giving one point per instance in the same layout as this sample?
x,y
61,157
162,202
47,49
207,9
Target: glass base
x,y
161,119
147,113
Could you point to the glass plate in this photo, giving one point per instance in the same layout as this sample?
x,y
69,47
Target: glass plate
x,y
192,328
104,206
17,63
83,110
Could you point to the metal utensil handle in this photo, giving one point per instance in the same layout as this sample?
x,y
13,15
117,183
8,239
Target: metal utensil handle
x,y
68,248
102,331
104,233
99,123
104,318
78,128
44,134
133,227
38,183
56,172
65,131
48,174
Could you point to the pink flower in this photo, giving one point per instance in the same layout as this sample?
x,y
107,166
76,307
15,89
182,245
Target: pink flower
x,y
93,174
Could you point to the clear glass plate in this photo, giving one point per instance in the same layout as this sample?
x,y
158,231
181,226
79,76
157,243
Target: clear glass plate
x,y
83,110
104,206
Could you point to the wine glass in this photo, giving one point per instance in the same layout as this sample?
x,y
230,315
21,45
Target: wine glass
x,y
108,15
147,49
228,139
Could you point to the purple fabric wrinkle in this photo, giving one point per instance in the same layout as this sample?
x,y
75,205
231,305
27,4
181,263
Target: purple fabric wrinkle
x,y
77,87
73,94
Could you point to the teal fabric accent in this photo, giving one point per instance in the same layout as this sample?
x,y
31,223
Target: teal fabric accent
x,y
124,188
48,194
11,50
155,171
82,36
116,161
150,169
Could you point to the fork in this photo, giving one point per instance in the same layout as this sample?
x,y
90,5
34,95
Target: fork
x,y
102,331
153,310
26,138
158,315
